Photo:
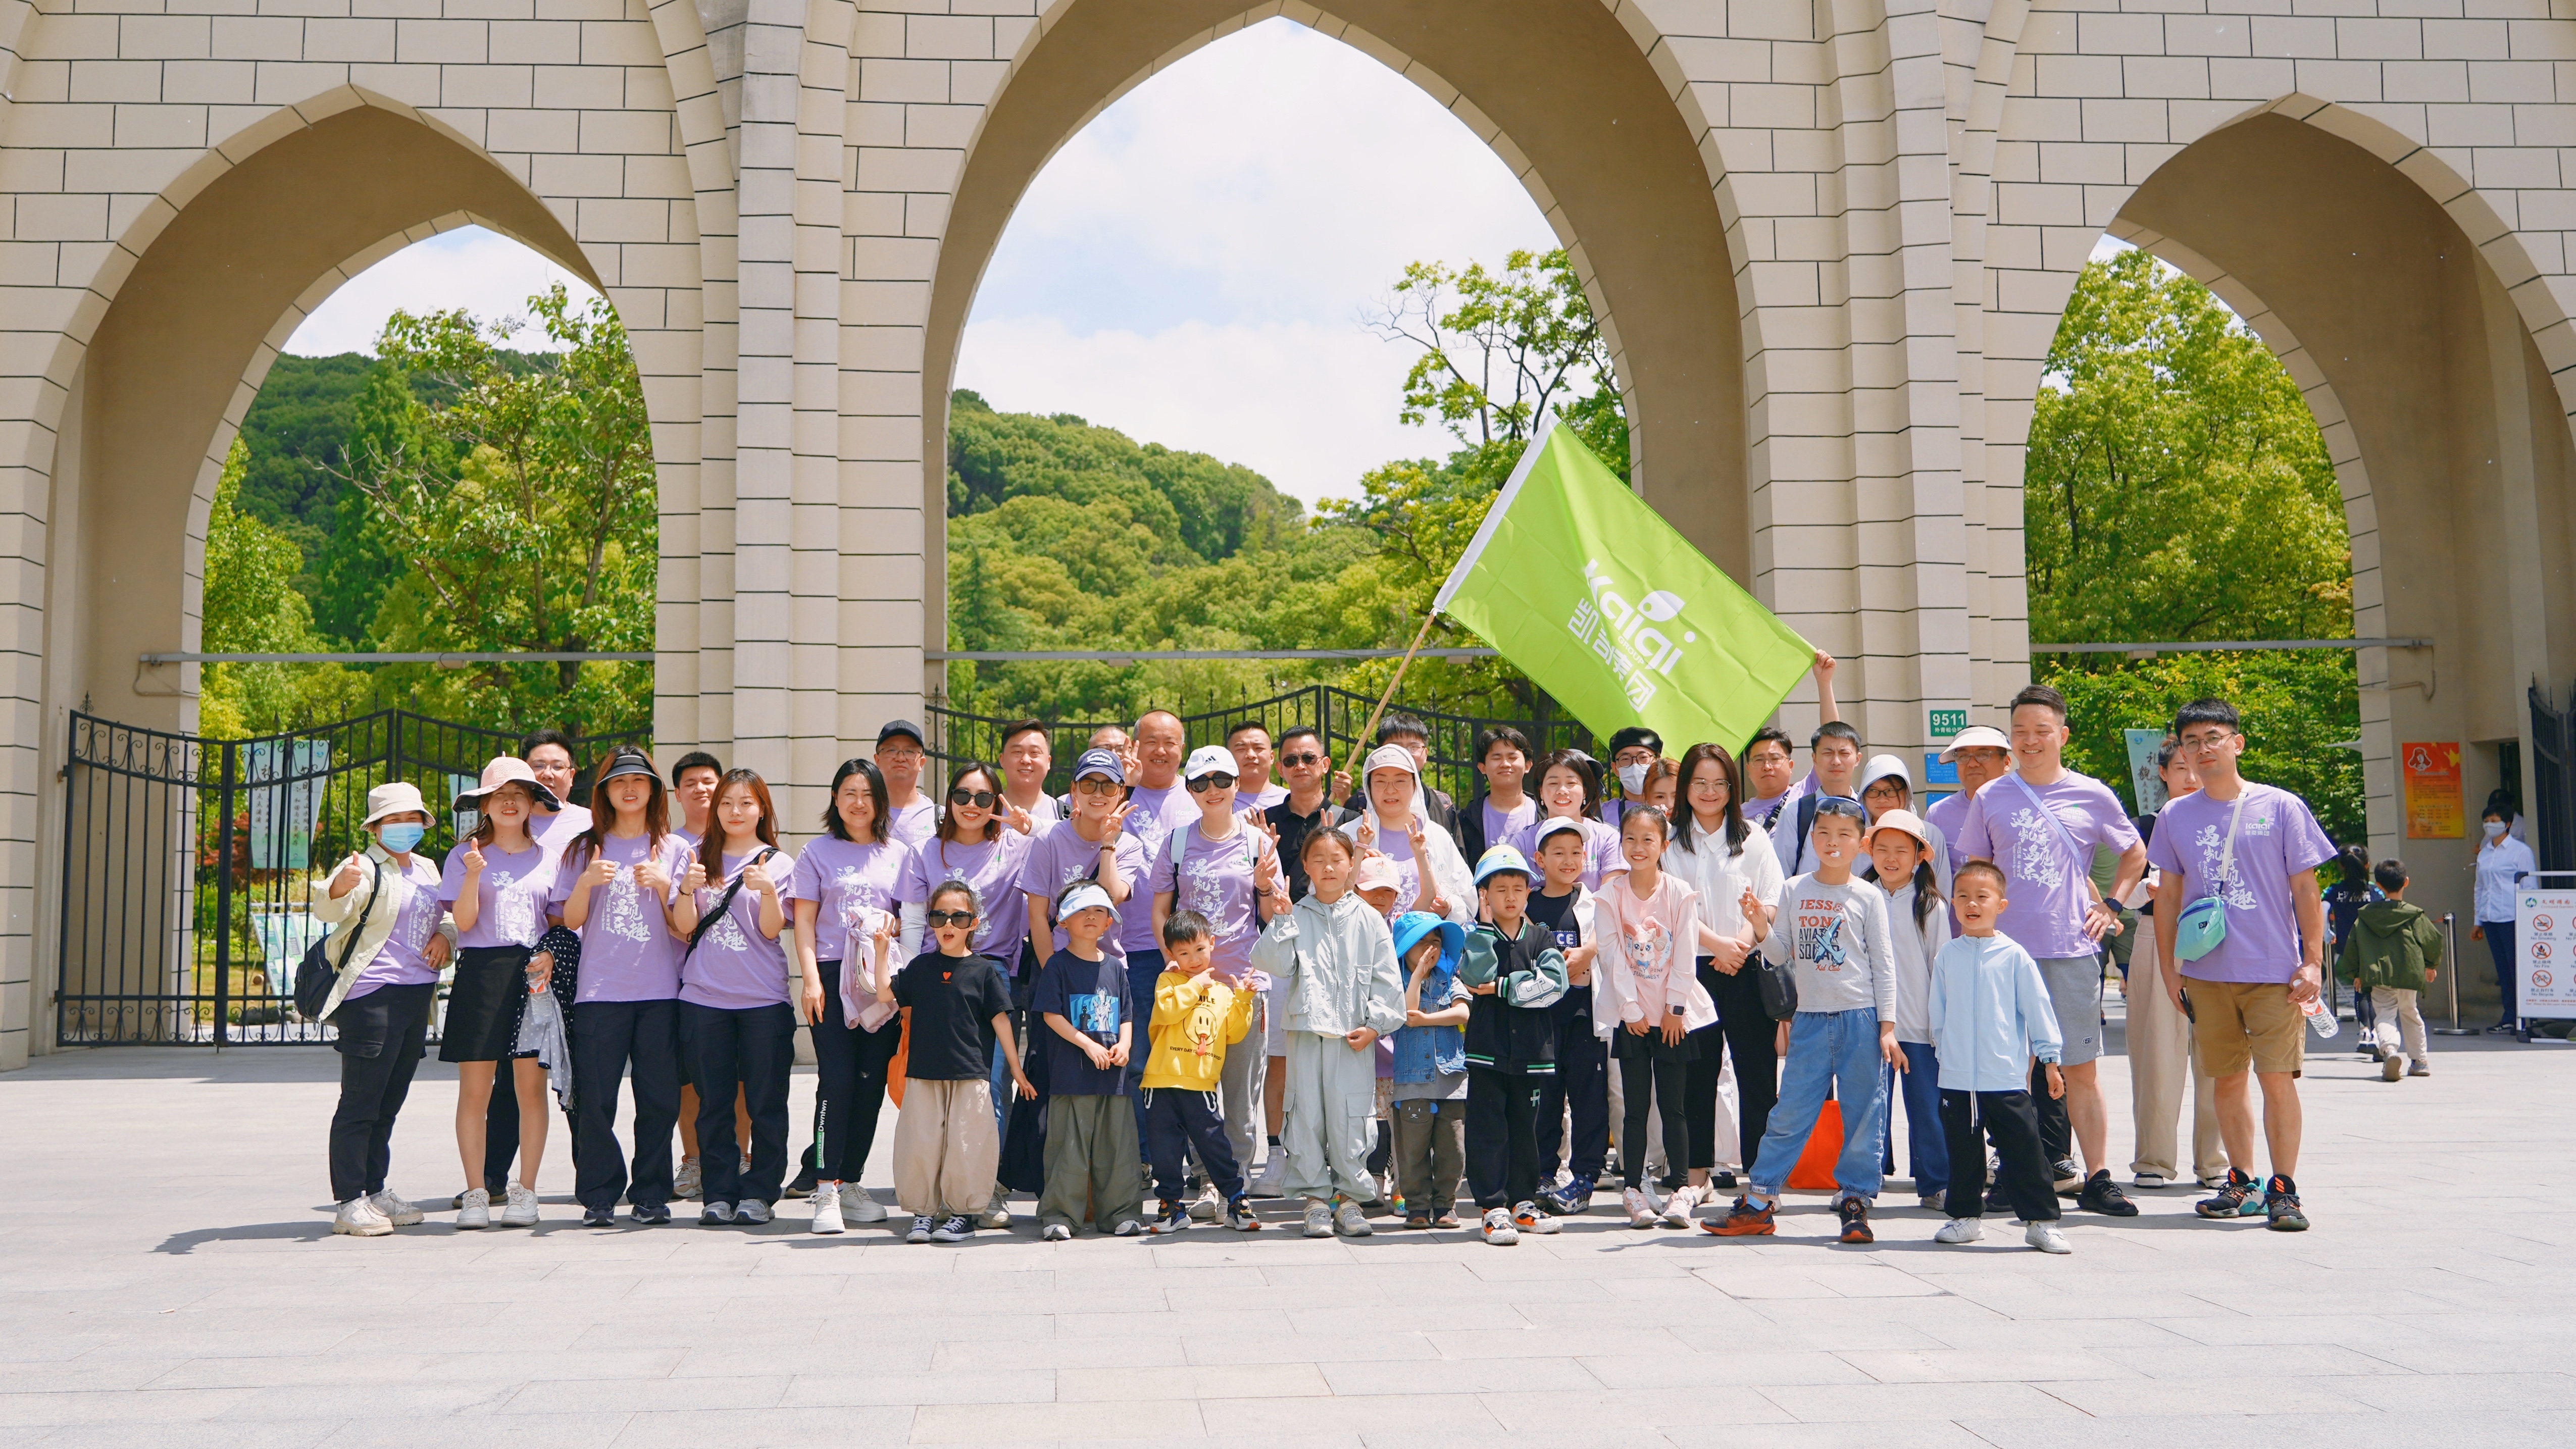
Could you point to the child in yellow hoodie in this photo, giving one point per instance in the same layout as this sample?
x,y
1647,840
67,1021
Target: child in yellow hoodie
x,y
1196,1017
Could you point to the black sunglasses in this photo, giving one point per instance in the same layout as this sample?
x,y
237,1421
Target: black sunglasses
x,y
1212,782
980,799
1837,805
1307,759
938,919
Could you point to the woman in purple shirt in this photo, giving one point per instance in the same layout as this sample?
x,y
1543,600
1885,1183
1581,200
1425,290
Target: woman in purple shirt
x,y
619,889
498,883
844,885
735,1024
973,845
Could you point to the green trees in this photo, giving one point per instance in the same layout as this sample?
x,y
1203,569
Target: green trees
x,y
2177,487
250,606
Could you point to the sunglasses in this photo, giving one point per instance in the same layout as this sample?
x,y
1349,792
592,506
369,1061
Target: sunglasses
x,y
1837,805
1096,786
1212,782
959,919
980,799
1306,759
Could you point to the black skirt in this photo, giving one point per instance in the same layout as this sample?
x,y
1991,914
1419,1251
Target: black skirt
x,y
484,1005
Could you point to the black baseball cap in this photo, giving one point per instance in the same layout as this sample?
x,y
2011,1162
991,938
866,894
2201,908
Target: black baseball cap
x,y
897,727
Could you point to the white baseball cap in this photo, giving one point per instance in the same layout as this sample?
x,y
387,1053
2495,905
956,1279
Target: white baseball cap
x,y
1210,760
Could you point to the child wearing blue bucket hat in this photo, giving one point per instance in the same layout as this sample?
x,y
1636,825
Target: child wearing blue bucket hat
x,y
1430,1095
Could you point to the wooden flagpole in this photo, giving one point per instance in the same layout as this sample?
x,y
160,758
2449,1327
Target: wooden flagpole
x,y
1368,732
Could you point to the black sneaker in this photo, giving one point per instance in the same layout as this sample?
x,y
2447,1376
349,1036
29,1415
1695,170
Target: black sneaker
x,y
2103,1196
2281,1205
655,1216
1998,1200
957,1229
1722,1178
803,1186
599,1217
1175,1218
1855,1216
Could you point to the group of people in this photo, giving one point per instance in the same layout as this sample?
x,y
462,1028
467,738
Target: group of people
x,y
1217,976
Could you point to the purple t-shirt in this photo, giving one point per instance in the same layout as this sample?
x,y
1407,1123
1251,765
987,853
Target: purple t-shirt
x,y
735,967
627,950
1061,856
2277,838
992,867
398,962
1601,856
845,878
1041,815
1215,879
1947,814
915,823
1152,815
1502,827
1261,799
2045,895
510,899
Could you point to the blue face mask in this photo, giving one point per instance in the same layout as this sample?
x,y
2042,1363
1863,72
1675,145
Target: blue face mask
x,y
400,839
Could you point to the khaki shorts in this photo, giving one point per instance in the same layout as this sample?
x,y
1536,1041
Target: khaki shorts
x,y
2240,1023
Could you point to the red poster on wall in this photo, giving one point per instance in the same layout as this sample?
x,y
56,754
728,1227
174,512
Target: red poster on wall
x,y
2435,807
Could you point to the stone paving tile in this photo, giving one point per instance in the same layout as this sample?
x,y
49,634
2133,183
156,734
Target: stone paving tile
x,y
1195,1381
1147,1418
2024,1363
704,1428
1748,1367
999,1383
1317,1348
2492,1429
1363,1377
1584,1415
1893,1402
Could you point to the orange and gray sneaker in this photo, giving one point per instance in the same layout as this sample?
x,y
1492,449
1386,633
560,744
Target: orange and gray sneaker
x,y
2238,1197
1743,1220
1855,1216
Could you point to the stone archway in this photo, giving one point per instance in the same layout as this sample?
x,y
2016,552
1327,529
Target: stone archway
x,y
1559,88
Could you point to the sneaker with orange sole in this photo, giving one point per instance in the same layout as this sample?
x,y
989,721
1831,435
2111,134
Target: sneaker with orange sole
x,y
1743,1220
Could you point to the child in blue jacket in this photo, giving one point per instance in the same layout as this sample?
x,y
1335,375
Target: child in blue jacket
x,y
1430,1070
1990,1016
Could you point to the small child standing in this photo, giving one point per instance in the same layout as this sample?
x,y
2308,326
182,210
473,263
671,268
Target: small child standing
x,y
1091,1126
1900,853
1832,930
945,1143
1514,974
1574,1105
1334,964
1430,1098
1650,986
2389,953
1990,1015
1196,1017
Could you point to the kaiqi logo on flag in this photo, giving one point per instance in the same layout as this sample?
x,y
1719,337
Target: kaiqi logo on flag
x,y
1608,608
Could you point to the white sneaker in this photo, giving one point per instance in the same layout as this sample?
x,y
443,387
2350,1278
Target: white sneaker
x,y
1273,1174
1350,1222
397,1212
1529,1217
1677,1208
1640,1213
1207,1205
1933,1202
752,1211
1319,1218
1960,1230
2150,1180
827,1208
519,1210
858,1206
477,1212
359,1219
2046,1238
997,1213
689,1180
1057,1233
1500,1230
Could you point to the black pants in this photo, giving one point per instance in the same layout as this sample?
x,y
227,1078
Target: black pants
x,y
2056,1133
753,1048
381,1037
1648,1077
608,1038
1752,1038
1502,1136
1177,1119
2008,1118
1582,1084
850,1071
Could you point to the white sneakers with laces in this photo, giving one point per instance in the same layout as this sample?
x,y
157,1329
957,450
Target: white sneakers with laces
x,y
1677,1208
477,1212
1272,1176
519,1208
358,1218
1350,1222
1960,1230
397,1212
1500,1230
2046,1238
997,1213
827,1208
858,1206
1319,1218
1641,1212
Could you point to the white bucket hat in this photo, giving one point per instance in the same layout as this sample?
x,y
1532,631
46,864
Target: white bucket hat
x,y
393,799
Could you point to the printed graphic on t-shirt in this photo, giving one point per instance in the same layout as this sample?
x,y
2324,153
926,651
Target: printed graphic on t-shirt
x,y
1201,891
1095,1015
625,918
1820,933
1199,1029
2211,842
515,912
859,900
2038,856
1648,949
724,935
419,922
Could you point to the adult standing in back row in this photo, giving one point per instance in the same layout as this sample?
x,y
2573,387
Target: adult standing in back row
x,y
2041,825
2502,863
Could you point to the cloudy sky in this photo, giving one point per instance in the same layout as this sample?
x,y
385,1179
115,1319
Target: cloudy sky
x,y
1190,269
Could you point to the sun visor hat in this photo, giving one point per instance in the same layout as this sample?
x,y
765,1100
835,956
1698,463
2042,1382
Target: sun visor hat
x,y
636,763
1975,737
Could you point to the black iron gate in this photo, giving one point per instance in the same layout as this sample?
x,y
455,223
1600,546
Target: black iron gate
x,y
189,865
2553,784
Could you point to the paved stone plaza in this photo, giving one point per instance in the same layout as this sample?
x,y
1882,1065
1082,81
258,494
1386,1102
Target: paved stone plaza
x,y
170,1278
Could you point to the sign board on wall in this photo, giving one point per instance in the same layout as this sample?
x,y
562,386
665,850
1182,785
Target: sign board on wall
x,y
2545,931
2146,785
2434,804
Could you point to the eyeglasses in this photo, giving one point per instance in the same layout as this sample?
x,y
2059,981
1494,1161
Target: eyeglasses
x,y
899,754
960,919
1095,786
1292,761
1211,782
980,799
1837,805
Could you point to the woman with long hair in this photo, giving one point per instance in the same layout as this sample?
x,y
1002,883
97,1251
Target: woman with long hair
x,y
496,883
1569,788
845,884
1726,860
619,890
736,1026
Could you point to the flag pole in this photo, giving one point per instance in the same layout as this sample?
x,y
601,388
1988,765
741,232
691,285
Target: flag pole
x,y
1369,730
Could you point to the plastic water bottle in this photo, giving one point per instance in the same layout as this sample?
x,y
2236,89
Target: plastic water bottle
x,y
2322,1017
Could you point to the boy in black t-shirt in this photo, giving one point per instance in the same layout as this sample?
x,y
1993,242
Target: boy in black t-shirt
x,y
1090,1033
1582,1080
946,1145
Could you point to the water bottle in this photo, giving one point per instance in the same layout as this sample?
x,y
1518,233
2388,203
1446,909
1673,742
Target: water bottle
x,y
2322,1017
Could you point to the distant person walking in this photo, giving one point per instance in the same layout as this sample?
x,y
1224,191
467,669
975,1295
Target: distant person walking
x,y
2389,955
2503,861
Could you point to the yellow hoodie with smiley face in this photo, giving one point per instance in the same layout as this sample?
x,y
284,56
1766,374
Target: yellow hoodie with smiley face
x,y
1195,1019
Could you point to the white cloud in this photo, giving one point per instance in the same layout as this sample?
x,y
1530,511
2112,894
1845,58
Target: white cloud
x,y
481,271
1192,266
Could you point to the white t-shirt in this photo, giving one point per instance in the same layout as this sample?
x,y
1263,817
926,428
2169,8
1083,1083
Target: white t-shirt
x,y
1720,876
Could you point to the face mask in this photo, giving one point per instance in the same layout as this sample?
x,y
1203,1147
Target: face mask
x,y
2493,828
401,838
1632,778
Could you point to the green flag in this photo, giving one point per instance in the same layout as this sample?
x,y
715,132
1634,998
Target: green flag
x,y
1607,607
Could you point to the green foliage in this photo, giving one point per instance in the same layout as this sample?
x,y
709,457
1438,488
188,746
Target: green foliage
x,y
251,607
2177,487
295,428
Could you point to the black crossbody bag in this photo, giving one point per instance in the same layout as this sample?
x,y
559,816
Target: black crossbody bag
x,y
315,973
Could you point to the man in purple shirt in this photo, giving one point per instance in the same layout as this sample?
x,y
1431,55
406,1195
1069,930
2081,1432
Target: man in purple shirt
x,y
2252,850
1249,742
2041,825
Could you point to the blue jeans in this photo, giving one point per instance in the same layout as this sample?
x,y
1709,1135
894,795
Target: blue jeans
x,y
1837,1049
1927,1151
1144,968
2507,964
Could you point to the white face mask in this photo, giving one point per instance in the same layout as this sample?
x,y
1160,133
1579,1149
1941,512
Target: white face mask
x,y
2493,828
1632,778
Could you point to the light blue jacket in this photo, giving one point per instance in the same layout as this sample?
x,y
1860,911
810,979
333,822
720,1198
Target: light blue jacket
x,y
1990,1015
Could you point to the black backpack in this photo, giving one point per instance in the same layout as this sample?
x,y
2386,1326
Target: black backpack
x,y
315,974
